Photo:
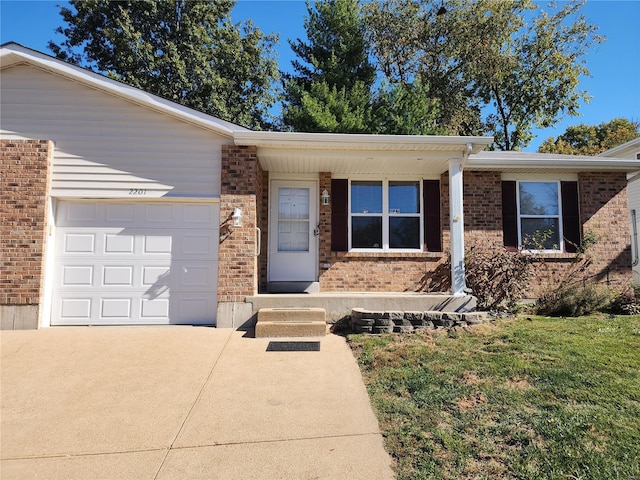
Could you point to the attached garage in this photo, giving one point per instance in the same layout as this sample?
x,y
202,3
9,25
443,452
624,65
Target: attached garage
x,y
128,263
127,231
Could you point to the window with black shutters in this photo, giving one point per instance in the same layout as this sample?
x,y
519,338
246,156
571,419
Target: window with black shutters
x,y
541,215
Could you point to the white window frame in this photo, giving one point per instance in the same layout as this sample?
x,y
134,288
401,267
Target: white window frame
x,y
386,215
558,216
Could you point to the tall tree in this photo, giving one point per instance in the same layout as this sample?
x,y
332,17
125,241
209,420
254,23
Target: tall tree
x,y
583,139
412,43
508,59
187,51
406,109
330,90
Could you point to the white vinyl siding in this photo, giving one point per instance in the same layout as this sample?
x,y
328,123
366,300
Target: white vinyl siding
x,y
106,147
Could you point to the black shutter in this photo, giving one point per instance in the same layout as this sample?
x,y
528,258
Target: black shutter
x,y
570,216
339,215
509,214
431,207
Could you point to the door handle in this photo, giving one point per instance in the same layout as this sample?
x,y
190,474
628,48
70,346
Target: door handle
x,y
316,231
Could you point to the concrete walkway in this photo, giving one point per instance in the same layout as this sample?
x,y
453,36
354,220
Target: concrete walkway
x,y
182,403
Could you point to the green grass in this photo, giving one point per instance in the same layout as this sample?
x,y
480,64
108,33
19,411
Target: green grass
x,y
530,398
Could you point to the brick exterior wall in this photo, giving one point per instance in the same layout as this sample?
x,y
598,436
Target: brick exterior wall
x,y
604,211
244,184
604,214
324,239
241,187
482,207
24,190
603,206
377,272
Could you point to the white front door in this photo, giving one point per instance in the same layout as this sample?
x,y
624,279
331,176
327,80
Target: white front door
x,y
293,225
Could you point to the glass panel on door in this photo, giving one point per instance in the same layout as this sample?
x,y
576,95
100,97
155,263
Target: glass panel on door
x,y
293,219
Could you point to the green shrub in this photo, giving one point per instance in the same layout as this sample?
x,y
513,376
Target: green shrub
x,y
574,300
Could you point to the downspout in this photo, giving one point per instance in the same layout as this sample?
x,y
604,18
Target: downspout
x,y
465,155
634,230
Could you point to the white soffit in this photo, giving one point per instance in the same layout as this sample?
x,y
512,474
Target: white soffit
x,y
14,54
294,152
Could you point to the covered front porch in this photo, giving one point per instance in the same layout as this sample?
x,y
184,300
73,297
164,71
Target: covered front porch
x,y
351,220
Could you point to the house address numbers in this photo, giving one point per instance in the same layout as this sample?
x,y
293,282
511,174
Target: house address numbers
x,y
137,192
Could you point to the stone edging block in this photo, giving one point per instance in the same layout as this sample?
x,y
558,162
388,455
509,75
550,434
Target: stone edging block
x,y
366,321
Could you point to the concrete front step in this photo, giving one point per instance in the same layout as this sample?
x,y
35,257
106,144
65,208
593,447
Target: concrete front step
x,y
291,322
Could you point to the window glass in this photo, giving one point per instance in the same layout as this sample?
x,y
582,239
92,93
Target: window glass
x,y
293,203
540,233
366,232
404,232
366,197
404,197
539,198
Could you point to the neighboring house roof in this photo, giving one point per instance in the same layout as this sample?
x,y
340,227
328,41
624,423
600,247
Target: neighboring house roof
x,y
525,162
12,54
627,150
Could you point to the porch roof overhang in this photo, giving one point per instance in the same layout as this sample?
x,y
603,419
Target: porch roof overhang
x,y
349,154
525,162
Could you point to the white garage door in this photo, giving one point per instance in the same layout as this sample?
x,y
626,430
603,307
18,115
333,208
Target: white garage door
x,y
135,263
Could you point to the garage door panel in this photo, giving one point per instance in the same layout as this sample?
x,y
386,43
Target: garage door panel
x,y
77,275
120,213
161,214
80,213
116,309
148,273
117,243
117,276
79,243
190,308
199,216
154,308
75,309
157,244
201,244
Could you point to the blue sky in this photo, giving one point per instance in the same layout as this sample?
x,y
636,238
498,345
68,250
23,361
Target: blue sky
x,y
614,65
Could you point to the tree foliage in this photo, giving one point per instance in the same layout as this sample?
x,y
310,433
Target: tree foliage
x,y
187,51
583,139
331,88
406,109
499,67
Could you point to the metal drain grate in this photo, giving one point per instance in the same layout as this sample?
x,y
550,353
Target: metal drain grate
x,y
293,347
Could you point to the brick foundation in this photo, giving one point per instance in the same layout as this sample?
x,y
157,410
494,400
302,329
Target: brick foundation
x,y
24,190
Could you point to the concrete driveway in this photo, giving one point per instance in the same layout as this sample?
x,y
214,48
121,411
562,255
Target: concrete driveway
x,y
182,402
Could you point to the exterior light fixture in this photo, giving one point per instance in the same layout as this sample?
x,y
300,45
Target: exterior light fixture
x,y
325,197
237,217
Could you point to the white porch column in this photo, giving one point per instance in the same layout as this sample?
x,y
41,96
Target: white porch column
x,y
458,284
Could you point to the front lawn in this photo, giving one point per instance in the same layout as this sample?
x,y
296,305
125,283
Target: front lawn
x,y
530,398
